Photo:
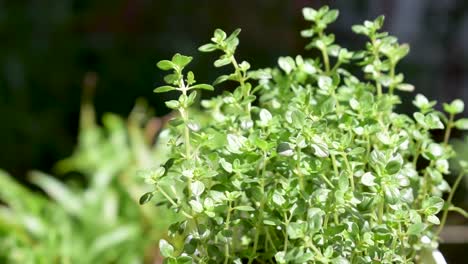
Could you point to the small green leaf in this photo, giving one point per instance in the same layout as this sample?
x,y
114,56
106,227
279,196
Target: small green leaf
x,y
173,104
203,87
222,62
328,106
197,207
433,219
280,257
284,149
146,197
434,151
307,33
172,78
297,230
165,65
244,208
219,35
360,29
379,21
265,116
207,47
287,64
278,199
221,79
420,118
420,101
244,66
226,165
393,166
416,229
235,143
181,60
357,151
163,89
309,13
184,260
455,107
325,83
197,188
297,119
433,205
166,249
462,124
168,165
391,194
330,16
368,179
190,78
433,121
406,87
233,35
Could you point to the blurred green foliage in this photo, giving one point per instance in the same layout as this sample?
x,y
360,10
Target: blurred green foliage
x,y
96,219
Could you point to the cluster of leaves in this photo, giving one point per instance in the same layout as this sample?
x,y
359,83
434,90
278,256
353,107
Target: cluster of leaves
x,y
97,223
305,162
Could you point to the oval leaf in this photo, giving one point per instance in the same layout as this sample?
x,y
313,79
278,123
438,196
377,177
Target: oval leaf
x,y
163,89
203,87
146,197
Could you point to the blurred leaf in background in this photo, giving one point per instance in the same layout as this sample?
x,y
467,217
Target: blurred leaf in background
x,y
94,218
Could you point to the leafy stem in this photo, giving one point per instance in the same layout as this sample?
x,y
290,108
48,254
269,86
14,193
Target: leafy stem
x,y
448,203
164,193
226,227
241,79
448,130
350,171
262,204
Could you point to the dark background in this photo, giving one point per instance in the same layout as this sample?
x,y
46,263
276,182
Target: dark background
x,y
47,46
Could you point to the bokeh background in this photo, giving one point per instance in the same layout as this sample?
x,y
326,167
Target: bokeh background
x,y
47,47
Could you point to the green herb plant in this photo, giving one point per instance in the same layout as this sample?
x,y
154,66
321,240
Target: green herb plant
x,y
95,223
306,162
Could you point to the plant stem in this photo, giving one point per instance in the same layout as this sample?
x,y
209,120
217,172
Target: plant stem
x,y
381,210
338,63
185,116
327,181
416,157
392,77
226,227
350,171
449,202
326,60
286,238
298,169
375,51
379,90
449,129
335,167
260,213
425,187
172,201
268,238
242,84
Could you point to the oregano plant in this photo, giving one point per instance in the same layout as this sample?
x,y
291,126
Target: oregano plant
x,y
306,162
